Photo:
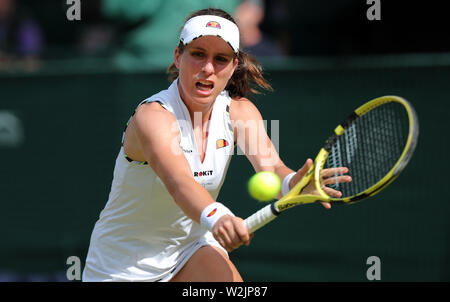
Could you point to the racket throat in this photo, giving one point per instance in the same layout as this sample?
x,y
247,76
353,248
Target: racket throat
x,y
274,210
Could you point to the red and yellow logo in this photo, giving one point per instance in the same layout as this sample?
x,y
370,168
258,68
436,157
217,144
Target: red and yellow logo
x,y
220,143
213,24
212,212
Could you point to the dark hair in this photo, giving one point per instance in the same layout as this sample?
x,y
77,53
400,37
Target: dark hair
x,y
248,74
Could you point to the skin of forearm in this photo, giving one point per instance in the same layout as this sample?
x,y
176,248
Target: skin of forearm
x,y
190,196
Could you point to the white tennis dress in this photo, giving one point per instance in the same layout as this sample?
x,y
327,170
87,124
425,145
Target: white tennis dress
x,y
141,234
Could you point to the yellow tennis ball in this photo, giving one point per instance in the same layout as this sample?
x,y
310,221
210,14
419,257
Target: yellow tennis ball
x,y
264,186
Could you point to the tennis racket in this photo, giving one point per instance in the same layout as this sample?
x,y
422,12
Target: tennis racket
x,y
375,143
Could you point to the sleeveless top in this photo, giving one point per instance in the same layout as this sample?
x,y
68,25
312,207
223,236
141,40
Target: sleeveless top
x,y
141,233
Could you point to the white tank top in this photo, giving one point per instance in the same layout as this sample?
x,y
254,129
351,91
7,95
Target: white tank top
x,y
141,233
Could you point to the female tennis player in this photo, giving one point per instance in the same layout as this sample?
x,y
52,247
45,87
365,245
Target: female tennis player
x,y
162,221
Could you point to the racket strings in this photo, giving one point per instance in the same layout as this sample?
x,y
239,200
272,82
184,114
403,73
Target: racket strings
x,y
369,147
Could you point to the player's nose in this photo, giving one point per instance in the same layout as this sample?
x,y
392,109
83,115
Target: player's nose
x,y
208,67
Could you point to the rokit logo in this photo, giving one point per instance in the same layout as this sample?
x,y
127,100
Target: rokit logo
x,y
203,173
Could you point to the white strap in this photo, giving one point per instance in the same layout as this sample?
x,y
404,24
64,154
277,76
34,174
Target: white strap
x,y
285,185
208,25
212,213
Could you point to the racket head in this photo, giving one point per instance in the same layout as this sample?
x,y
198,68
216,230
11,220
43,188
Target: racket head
x,y
375,142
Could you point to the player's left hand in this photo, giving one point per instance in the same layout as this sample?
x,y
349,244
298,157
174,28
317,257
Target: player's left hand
x,y
328,177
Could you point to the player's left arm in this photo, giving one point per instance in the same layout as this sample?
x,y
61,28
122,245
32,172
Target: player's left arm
x,y
251,137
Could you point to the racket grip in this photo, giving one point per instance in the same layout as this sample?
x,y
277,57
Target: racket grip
x,y
260,218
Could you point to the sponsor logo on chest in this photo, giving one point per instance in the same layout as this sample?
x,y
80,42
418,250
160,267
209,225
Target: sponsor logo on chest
x,y
203,173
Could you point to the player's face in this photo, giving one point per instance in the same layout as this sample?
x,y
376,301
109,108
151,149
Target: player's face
x,y
205,66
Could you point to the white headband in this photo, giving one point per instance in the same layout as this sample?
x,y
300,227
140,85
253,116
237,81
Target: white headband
x,y
208,25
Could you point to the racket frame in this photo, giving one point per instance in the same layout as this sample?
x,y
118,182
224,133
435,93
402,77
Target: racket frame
x,y
293,197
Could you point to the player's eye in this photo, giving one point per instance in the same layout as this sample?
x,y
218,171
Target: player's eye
x,y
198,54
222,59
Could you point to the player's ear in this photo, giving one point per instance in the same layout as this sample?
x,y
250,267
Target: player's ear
x,y
235,64
176,59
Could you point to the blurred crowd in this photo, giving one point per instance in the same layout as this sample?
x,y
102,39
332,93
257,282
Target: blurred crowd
x,y
21,37
145,32
133,32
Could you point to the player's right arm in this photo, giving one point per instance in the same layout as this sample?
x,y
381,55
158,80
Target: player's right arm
x,y
157,141
157,137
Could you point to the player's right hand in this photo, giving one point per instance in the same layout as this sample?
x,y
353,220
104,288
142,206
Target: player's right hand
x,y
231,232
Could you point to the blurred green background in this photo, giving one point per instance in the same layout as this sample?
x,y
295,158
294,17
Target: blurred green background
x,y
62,116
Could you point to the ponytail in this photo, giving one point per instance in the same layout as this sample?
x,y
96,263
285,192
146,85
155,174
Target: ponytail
x,y
247,75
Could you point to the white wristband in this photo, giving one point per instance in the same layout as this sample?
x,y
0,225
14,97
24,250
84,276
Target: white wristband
x,y
212,213
285,185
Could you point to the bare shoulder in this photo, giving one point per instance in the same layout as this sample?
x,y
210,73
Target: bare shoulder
x,y
153,123
150,127
242,109
151,107
153,113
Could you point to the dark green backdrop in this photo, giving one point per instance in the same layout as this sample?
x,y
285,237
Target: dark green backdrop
x,y
54,184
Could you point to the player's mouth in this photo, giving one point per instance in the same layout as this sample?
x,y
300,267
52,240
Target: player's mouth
x,y
204,87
